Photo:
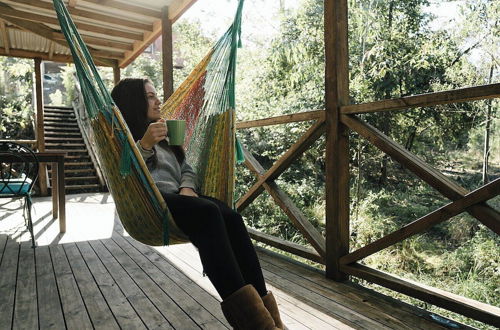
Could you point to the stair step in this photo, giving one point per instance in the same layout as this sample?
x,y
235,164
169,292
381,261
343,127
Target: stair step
x,y
59,123
59,114
81,170
61,107
81,157
82,186
70,150
50,144
63,139
76,178
59,111
58,128
61,134
59,120
78,164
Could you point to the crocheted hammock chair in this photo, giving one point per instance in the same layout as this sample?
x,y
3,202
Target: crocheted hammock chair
x,y
205,100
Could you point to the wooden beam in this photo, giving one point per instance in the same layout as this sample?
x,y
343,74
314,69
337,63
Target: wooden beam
x,y
32,143
142,44
113,20
468,307
39,131
290,247
482,194
285,119
72,3
97,41
32,54
297,218
337,136
8,11
51,49
167,54
127,7
175,10
5,36
434,178
116,73
46,32
425,100
295,151
79,13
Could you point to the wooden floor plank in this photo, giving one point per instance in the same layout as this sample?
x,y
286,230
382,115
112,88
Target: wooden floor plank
x,y
3,244
306,313
320,303
8,277
50,312
209,302
355,295
165,304
85,285
122,311
26,307
187,257
99,311
151,317
190,306
378,316
74,310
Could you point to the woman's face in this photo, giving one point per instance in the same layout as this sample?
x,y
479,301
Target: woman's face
x,y
154,103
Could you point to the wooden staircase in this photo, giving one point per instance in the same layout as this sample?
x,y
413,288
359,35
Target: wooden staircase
x,y
63,134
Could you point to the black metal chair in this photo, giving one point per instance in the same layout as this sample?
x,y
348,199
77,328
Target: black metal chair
x,y
18,174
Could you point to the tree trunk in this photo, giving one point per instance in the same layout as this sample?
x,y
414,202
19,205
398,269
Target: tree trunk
x,y
486,151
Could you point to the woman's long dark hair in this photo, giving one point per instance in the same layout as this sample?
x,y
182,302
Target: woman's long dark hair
x,y
130,97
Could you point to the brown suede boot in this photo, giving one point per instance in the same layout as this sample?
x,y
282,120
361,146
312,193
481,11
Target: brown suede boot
x,y
272,307
244,309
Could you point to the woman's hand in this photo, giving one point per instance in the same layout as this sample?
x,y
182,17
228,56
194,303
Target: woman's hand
x,y
156,132
188,192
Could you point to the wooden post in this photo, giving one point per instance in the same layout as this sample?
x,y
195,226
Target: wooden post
x,y
39,131
167,54
116,73
337,138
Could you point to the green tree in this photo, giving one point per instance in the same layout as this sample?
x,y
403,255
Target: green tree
x,y
16,108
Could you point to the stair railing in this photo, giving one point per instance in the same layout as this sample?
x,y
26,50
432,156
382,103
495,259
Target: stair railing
x,y
81,118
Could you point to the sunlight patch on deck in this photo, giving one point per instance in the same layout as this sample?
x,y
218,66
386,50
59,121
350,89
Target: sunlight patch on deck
x,y
88,217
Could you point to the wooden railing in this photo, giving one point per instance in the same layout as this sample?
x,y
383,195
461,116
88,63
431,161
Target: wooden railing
x,y
461,201
336,121
83,123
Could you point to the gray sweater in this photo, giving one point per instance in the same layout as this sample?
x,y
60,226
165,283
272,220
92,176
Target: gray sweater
x,y
167,173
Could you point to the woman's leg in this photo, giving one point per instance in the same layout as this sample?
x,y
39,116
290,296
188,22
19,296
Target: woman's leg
x,y
242,246
201,220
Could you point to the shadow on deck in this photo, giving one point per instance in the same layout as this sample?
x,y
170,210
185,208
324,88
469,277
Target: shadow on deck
x,y
94,276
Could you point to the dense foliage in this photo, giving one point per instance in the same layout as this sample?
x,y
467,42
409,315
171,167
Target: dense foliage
x,y
16,109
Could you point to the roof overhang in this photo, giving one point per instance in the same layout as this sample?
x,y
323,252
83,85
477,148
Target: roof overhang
x,y
116,31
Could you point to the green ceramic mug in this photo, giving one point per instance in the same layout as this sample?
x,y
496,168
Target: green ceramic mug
x,y
176,132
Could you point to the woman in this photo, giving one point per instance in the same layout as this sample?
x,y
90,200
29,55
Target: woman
x,y
225,249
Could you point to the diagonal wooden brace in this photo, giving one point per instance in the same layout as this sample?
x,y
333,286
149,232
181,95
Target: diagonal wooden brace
x,y
288,206
295,151
484,213
482,194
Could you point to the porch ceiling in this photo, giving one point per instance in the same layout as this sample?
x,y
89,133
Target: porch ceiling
x,y
116,31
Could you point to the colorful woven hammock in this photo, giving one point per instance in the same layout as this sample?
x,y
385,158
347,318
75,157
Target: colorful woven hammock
x,y
205,100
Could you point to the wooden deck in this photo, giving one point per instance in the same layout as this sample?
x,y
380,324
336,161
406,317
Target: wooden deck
x,y
95,276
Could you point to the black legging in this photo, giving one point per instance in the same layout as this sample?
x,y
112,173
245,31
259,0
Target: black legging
x,y
225,249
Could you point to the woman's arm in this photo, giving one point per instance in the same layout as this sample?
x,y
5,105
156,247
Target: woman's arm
x,y
188,180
